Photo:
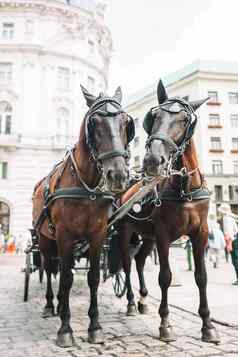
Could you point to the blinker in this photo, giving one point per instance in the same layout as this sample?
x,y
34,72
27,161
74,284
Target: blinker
x,y
111,109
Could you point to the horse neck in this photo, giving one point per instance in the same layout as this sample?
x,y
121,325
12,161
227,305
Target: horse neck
x,y
87,167
189,160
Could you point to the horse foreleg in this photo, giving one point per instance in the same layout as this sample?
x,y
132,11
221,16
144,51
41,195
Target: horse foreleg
x,y
95,332
140,259
47,250
49,307
209,332
125,236
65,333
165,277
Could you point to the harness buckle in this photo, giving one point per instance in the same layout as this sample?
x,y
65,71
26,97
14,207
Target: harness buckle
x,y
158,202
51,228
93,197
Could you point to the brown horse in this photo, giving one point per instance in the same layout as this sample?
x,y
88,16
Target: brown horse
x,y
178,206
71,205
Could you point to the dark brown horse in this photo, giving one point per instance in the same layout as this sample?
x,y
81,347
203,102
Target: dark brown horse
x,y
71,205
178,206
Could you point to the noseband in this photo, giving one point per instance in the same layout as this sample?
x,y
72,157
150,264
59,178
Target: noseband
x,y
173,106
105,107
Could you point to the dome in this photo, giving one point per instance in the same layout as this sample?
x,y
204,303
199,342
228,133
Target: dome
x,y
89,5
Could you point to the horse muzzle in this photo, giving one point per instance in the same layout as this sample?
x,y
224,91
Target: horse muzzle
x,y
153,165
117,180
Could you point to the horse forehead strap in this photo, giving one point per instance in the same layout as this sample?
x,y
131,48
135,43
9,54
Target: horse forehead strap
x,y
111,104
176,105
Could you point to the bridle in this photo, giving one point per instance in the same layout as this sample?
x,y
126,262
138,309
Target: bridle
x,y
105,107
175,105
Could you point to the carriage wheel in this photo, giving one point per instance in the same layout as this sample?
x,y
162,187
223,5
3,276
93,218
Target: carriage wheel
x,y
27,275
119,284
41,268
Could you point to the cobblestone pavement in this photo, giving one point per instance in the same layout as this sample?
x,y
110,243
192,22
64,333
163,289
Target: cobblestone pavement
x,y
24,333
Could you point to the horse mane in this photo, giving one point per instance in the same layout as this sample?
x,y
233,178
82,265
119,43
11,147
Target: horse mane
x,y
82,133
190,161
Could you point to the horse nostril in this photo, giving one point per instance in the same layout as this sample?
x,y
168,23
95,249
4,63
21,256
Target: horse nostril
x,y
162,160
109,174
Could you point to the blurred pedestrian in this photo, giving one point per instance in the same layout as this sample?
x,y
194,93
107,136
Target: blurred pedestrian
x,y
188,248
230,230
216,241
11,247
2,242
18,243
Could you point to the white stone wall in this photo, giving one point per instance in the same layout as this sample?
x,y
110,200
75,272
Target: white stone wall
x,y
47,35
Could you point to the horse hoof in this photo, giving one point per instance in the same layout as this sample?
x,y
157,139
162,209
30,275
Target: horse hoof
x,y
210,335
131,310
48,312
166,334
96,336
143,309
65,339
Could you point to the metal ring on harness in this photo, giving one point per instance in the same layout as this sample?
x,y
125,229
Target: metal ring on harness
x,y
92,197
158,202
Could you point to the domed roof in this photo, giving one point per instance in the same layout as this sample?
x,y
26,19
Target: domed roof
x,y
84,4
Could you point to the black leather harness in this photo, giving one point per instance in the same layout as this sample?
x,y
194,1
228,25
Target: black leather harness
x,y
75,193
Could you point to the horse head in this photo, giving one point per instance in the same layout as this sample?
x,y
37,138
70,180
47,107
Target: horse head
x,y
169,126
108,131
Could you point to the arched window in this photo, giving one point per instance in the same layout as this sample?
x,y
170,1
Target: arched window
x,y
5,118
4,218
63,124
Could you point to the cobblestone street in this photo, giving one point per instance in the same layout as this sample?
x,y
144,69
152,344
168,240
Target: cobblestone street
x,y
24,333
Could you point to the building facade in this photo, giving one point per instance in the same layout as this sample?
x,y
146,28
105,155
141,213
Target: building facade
x,y
48,48
216,135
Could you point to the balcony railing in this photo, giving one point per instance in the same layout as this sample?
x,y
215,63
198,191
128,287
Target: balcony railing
x,y
8,140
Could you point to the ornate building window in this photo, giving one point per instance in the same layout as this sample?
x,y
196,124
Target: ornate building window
x,y
63,79
234,144
214,120
216,143
234,120
233,97
63,125
5,73
213,96
235,167
218,193
5,118
3,170
217,167
8,31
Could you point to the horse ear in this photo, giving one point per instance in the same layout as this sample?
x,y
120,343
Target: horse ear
x,y
161,93
197,103
90,99
118,94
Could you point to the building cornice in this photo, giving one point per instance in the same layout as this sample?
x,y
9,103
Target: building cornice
x,y
39,51
49,7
